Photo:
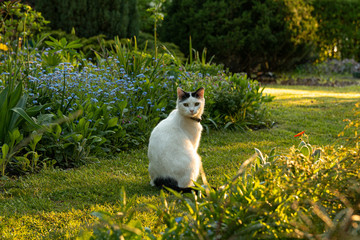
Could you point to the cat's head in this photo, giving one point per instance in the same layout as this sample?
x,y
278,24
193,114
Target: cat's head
x,y
191,104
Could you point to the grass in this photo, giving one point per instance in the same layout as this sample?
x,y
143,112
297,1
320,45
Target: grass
x,y
56,204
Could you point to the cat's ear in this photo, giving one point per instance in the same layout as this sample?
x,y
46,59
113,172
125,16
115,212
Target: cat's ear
x,y
199,93
181,93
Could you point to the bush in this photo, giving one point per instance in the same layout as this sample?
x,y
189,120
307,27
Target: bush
x,y
244,35
232,101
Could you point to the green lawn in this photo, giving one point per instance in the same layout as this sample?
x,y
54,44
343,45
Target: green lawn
x,y
57,203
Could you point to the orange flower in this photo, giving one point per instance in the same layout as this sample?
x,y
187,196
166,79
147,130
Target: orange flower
x,y
299,134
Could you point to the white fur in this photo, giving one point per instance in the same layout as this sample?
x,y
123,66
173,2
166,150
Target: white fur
x,y
174,142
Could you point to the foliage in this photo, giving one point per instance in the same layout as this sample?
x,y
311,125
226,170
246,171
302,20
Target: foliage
x,y
120,226
232,101
338,35
111,103
272,196
75,193
16,117
239,102
19,22
244,35
329,67
353,127
89,46
90,18
200,64
122,97
13,114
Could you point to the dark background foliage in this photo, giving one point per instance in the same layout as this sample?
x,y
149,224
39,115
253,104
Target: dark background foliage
x,y
265,35
92,17
244,34
339,25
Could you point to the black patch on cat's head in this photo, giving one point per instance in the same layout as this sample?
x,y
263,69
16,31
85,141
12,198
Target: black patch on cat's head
x,y
185,96
198,93
182,95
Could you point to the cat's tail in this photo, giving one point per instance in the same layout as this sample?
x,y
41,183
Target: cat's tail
x,y
169,182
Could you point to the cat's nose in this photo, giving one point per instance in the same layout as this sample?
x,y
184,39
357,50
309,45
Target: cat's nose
x,y
192,111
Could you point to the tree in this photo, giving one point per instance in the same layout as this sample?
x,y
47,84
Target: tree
x,y
92,17
339,28
245,35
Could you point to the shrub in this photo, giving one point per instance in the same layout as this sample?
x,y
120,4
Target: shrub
x,y
232,101
243,34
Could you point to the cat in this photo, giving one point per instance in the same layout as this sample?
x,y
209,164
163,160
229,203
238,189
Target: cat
x,y
173,158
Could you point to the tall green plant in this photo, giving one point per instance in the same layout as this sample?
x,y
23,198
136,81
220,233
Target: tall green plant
x,y
156,16
13,114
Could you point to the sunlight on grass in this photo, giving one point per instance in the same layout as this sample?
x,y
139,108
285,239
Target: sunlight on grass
x,y
298,93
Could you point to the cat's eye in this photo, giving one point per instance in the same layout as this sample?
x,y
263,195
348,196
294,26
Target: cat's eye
x,y
186,104
197,104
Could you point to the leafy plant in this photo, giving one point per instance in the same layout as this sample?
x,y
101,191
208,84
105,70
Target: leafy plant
x,y
19,22
119,226
353,127
65,49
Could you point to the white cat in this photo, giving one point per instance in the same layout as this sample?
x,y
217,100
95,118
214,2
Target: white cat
x,y
174,161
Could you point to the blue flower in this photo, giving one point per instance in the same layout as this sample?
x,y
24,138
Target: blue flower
x,y
140,75
178,219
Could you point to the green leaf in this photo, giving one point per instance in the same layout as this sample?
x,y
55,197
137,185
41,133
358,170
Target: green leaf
x,y
74,44
316,155
103,216
112,122
305,150
260,155
16,96
4,150
23,114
